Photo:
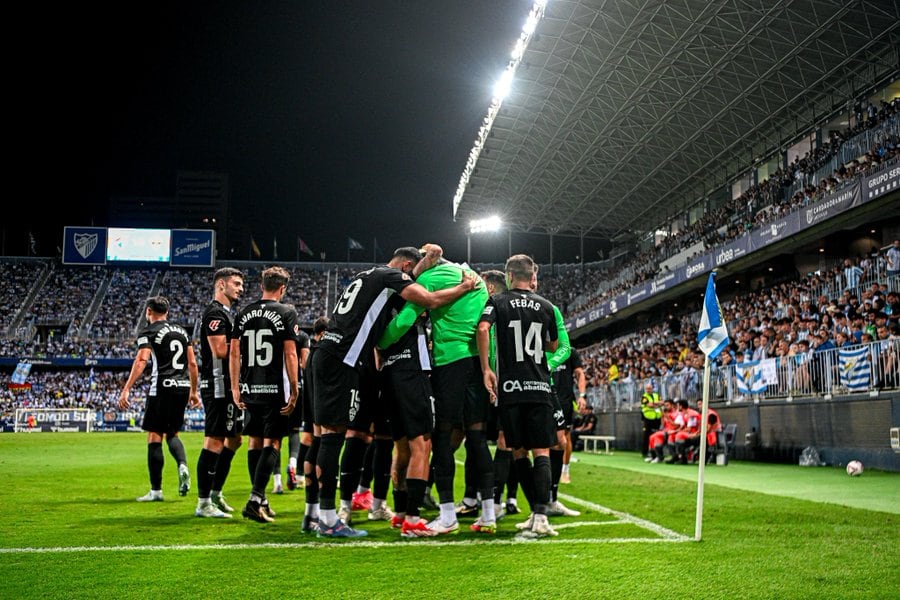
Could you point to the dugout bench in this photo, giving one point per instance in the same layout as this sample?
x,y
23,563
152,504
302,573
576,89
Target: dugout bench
x,y
590,442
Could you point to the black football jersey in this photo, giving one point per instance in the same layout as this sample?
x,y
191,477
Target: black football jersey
x,y
410,352
214,376
523,322
303,341
361,314
262,327
168,344
564,377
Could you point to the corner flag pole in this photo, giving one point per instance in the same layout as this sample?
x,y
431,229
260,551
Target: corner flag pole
x,y
712,337
698,527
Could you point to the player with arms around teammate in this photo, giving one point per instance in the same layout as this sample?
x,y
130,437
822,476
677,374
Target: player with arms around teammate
x,y
263,363
525,327
173,383
358,320
222,435
461,406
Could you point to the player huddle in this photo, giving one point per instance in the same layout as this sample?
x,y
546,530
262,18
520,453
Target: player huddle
x,y
418,357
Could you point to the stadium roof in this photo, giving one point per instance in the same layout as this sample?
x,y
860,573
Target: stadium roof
x,y
621,112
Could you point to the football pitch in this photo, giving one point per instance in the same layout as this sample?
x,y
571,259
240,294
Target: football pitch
x,y
71,528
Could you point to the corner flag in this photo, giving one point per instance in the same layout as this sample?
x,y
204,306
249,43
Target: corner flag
x,y
713,335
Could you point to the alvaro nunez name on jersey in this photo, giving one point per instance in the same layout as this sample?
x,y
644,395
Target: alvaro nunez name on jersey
x,y
270,315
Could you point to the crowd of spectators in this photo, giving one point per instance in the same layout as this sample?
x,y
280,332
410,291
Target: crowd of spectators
x,y
74,388
66,295
787,319
118,314
18,280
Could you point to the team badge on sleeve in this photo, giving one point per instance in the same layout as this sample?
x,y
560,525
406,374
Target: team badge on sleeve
x,y
214,324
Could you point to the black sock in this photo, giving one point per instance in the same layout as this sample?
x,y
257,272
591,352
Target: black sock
x,y
502,462
444,467
311,489
556,463
206,468
381,467
176,449
512,483
416,492
351,465
155,462
276,468
401,500
268,458
526,479
483,476
294,448
470,468
252,460
328,462
541,477
368,467
223,467
301,457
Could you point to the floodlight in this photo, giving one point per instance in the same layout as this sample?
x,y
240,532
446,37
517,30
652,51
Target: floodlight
x,y
501,90
485,225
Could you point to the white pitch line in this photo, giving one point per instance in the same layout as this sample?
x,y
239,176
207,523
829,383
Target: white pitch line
x,y
318,544
668,534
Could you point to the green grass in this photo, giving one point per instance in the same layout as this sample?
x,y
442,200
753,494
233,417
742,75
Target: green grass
x,y
769,531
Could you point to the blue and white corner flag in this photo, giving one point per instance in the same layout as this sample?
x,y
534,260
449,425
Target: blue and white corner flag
x,y
713,335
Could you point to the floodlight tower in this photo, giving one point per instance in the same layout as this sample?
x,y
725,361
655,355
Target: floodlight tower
x,y
487,224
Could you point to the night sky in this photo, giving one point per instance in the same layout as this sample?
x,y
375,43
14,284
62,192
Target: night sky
x,y
332,119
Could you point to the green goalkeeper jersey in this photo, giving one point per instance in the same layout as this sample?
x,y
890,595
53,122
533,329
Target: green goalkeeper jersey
x,y
563,349
452,325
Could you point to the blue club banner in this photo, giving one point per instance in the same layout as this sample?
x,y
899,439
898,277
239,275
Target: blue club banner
x,y
84,246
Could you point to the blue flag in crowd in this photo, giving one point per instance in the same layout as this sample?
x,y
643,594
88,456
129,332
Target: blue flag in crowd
x,y
855,368
713,335
749,378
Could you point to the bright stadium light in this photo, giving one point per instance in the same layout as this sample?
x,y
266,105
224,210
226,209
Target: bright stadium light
x,y
486,225
501,90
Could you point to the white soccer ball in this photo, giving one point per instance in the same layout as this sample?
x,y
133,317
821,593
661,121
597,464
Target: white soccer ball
x,y
854,468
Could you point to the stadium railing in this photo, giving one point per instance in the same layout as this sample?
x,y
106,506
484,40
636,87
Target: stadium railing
x,y
858,368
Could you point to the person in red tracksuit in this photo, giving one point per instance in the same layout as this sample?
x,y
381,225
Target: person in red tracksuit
x,y
689,434
713,424
713,427
666,435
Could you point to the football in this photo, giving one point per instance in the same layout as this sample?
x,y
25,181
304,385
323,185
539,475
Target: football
x,y
854,468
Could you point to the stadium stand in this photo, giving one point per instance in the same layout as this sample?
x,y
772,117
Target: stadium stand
x,y
871,144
